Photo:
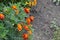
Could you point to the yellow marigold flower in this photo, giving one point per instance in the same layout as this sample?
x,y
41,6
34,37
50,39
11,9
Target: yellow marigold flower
x,y
27,3
33,4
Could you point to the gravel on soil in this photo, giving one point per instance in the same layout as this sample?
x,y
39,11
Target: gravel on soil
x,y
45,11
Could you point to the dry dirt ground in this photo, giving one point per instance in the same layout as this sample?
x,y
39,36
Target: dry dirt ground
x,y
45,11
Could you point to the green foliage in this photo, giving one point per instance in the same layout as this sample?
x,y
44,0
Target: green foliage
x,y
56,33
56,2
8,28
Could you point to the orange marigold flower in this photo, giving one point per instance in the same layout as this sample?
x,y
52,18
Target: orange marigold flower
x,y
28,21
14,7
35,0
2,16
31,18
26,27
27,10
25,36
19,27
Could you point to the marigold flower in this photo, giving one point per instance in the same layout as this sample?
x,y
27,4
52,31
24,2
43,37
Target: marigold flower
x,y
2,16
25,36
14,7
19,27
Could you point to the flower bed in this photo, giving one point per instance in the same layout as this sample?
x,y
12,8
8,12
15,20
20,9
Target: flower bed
x,y
15,21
